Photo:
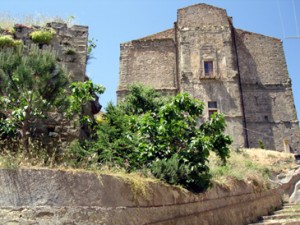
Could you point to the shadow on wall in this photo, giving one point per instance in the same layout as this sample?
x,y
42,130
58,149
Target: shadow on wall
x,y
258,103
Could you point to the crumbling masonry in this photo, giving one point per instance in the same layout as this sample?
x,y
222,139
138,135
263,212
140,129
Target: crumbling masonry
x,y
70,44
238,73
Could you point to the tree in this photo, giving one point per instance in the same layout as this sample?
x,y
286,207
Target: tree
x,y
164,135
82,93
31,83
117,133
174,132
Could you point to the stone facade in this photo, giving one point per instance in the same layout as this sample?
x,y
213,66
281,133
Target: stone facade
x,y
238,73
70,44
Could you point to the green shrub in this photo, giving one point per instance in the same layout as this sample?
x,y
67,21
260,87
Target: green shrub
x,y
42,36
261,144
170,170
70,51
162,134
7,41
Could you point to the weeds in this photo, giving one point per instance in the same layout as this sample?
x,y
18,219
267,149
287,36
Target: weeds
x,y
254,166
42,36
8,41
7,20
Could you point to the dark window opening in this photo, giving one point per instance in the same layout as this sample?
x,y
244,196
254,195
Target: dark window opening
x,y
212,108
208,68
212,105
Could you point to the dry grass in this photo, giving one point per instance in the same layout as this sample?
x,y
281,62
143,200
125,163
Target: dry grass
x,y
8,20
138,181
254,166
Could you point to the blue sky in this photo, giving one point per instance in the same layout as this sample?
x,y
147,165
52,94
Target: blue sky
x,y
114,21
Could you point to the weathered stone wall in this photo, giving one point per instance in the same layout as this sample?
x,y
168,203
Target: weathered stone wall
x,y
66,38
201,40
202,15
269,109
70,44
150,62
60,197
249,83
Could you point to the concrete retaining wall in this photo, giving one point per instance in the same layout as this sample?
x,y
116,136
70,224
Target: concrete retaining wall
x,y
61,197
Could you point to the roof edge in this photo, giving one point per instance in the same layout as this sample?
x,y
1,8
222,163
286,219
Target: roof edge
x,y
257,34
204,4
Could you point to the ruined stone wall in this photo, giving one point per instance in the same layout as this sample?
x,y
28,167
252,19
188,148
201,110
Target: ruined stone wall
x,y
269,109
65,39
204,34
149,62
70,43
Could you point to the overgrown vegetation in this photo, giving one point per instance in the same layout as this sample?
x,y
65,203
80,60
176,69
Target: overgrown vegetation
x,y
256,166
42,36
8,41
7,21
33,84
150,134
150,131
146,132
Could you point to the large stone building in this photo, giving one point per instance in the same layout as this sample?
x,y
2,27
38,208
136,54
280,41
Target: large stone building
x,y
238,73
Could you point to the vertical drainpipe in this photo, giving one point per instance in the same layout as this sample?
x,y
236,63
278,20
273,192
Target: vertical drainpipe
x,y
176,59
240,87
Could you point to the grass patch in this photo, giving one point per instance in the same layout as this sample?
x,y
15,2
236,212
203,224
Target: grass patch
x,y
13,156
254,166
292,209
139,181
40,157
8,41
42,36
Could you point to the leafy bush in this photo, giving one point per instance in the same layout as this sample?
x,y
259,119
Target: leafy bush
x,y
117,138
149,130
174,130
170,170
261,144
42,36
118,132
7,41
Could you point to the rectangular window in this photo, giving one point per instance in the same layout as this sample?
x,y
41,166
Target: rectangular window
x,y
212,105
212,108
208,68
